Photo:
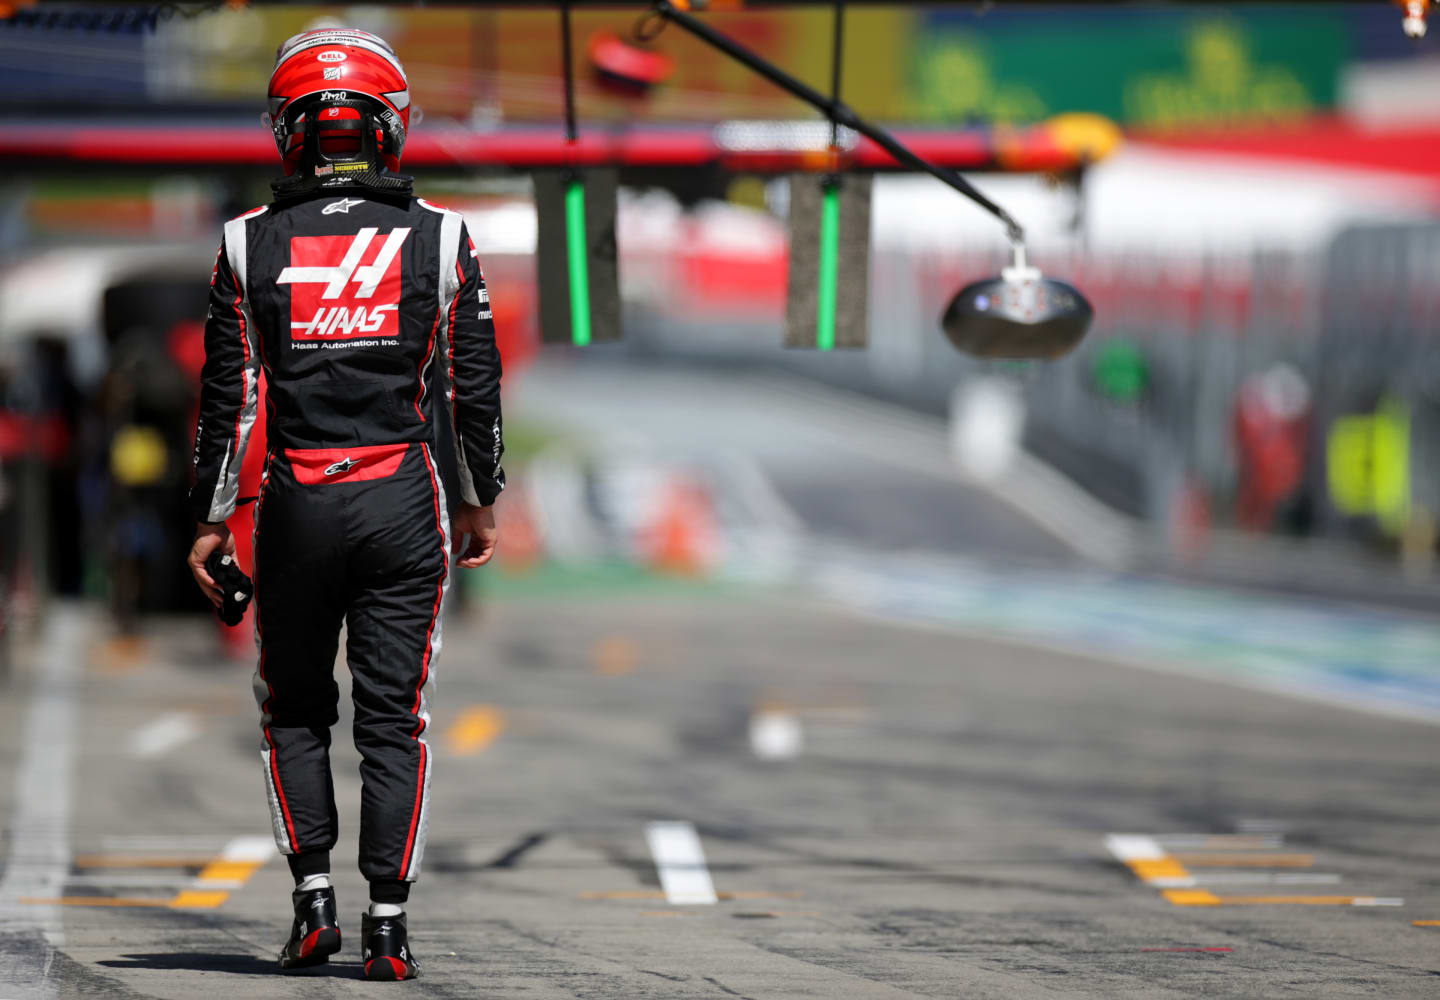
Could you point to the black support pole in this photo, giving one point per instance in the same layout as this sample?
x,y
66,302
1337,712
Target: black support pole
x,y
837,58
572,132
837,111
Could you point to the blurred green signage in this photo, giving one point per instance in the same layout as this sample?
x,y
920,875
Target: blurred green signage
x,y
1120,371
1151,69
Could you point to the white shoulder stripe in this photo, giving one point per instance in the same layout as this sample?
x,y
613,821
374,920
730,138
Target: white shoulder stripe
x,y
227,484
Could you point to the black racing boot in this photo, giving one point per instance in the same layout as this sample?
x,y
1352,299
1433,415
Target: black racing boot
x,y
315,935
387,949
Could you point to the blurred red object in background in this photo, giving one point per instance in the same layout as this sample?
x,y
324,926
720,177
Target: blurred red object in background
x,y
627,68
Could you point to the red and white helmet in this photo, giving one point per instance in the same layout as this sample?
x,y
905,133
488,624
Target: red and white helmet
x,y
334,74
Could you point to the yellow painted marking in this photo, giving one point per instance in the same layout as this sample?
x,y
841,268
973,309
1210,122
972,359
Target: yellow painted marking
x,y
212,870
1191,897
1169,872
657,894
615,656
477,727
1158,868
1246,860
229,871
1200,897
135,861
1425,923
120,655
92,901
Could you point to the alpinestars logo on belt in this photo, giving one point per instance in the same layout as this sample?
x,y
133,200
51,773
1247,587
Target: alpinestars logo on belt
x,y
344,465
344,287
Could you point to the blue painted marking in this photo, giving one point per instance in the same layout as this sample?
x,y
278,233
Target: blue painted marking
x,y
1351,656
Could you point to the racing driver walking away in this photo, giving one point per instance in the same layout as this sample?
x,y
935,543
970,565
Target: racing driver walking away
x,y
351,295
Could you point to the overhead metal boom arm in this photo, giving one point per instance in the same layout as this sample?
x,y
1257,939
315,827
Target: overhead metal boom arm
x,y
837,111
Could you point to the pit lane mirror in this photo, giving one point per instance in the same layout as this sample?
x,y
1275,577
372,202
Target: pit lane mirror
x,y
1020,314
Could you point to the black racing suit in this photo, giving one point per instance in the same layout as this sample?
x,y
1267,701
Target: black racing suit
x,y
345,301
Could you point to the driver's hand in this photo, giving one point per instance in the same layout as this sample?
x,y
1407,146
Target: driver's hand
x,y
479,524
208,538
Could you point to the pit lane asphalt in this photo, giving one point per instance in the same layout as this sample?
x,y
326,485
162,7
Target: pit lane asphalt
x,y
940,834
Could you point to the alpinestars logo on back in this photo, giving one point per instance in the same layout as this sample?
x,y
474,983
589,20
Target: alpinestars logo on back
x,y
343,205
344,465
343,288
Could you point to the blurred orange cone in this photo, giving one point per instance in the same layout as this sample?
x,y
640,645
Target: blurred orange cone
x,y
682,537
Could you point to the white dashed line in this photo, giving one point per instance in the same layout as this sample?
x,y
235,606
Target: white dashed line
x,y
680,862
163,734
1134,847
39,849
253,850
1264,878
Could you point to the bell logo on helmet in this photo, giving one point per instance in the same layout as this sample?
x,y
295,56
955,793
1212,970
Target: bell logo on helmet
x,y
344,287
332,55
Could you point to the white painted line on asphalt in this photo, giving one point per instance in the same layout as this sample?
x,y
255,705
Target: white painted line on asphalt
x,y
252,849
1377,901
39,850
1145,857
1134,847
163,734
680,863
775,734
